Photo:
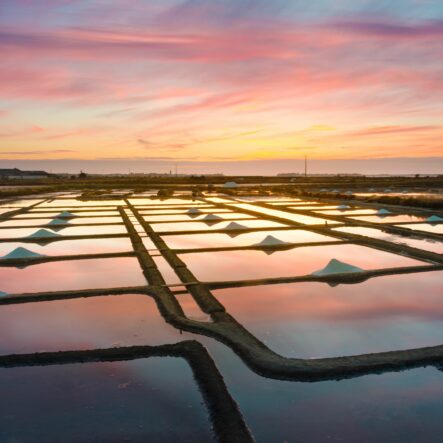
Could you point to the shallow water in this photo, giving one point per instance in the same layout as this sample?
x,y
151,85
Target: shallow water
x,y
73,247
165,202
67,203
250,264
196,217
425,244
298,218
72,274
153,399
348,212
390,218
425,227
72,221
404,407
184,211
74,230
166,271
315,320
78,214
246,239
195,226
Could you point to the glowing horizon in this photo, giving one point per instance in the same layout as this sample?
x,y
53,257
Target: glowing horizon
x,y
220,81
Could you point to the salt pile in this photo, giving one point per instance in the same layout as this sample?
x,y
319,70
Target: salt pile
x,y
43,233
383,211
21,253
212,218
270,241
230,185
337,267
343,207
434,219
235,226
2,294
348,192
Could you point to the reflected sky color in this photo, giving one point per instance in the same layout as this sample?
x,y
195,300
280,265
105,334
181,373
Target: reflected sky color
x,y
195,226
73,247
72,274
154,398
316,320
248,239
426,244
213,81
239,265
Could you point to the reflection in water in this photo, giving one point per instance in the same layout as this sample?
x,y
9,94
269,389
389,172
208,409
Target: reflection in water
x,y
243,239
390,218
83,323
195,226
144,400
426,227
425,244
73,230
312,319
250,264
72,274
298,218
73,247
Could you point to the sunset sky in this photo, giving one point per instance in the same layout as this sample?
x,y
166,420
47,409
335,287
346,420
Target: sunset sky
x,y
248,86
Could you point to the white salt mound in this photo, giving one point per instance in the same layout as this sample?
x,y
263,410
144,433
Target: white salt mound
x,y
212,217
43,233
230,185
234,225
434,219
22,253
343,207
383,211
2,294
337,267
270,241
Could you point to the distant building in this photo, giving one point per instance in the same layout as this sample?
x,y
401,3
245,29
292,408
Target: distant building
x,y
19,174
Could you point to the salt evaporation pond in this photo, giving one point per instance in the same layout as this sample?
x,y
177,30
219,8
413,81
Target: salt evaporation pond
x,y
165,202
196,226
315,320
425,227
347,212
206,210
77,214
65,231
251,264
196,217
68,203
425,244
154,399
83,323
400,407
245,239
390,218
72,274
73,247
17,223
